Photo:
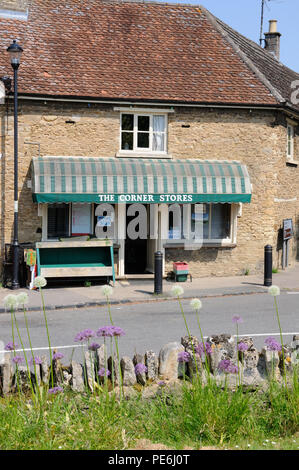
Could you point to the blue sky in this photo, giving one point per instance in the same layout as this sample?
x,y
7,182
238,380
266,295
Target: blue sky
x,y
244,16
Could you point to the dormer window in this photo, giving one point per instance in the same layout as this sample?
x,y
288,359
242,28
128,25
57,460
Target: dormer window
x,y
143,133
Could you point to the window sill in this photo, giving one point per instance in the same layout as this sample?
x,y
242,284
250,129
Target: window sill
x,y
198,246
291,162
132,154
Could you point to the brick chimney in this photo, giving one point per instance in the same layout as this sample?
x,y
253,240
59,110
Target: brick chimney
x,y
272,39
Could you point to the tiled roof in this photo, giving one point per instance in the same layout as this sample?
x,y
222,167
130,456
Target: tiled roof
x,y
142,51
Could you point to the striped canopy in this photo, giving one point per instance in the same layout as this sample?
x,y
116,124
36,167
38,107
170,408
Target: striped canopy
x,y
84,179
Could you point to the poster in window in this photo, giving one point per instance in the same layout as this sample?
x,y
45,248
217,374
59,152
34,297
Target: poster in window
x,y
81,219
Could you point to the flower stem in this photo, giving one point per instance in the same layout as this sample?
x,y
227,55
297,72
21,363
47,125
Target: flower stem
x,y
48,335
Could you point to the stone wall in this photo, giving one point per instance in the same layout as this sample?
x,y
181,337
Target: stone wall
x,y
222,363
257,138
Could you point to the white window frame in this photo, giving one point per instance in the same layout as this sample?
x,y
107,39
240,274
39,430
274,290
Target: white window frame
x,y
44,213
141,151
231,240
290,141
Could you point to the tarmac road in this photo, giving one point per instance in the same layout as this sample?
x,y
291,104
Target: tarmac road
x,y
151,325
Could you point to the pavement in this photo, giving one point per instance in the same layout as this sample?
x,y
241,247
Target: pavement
x,y
64,296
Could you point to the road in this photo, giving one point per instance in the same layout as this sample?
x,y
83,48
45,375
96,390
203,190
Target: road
x,y
153,324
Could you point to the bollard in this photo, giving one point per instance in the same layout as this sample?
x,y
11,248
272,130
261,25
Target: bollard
x,y
158,272
268,266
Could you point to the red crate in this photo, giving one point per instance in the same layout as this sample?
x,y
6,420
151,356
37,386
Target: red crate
x,y
180,266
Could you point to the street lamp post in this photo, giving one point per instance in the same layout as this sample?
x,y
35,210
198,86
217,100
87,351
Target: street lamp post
x,y
15,52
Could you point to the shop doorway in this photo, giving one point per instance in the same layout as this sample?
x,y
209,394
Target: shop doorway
x,y
139,252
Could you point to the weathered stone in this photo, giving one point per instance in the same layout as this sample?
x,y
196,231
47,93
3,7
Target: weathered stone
x,y
223,347
128,371
248,341
271,361
168,360
90,360
250,358
189,342
67,377
45,372
113,367
77,382
101,356
141,376
22,378
6,374
152,364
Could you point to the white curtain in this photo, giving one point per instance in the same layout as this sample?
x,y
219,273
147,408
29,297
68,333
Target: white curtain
x,y
158,133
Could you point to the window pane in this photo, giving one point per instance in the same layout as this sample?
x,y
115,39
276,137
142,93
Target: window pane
x,y
127,140
159,123
158,142
175,227
127,122
143,140
200,220
220,221
143,123
58,220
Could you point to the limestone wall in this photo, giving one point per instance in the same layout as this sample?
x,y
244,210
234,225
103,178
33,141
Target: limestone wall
x,y
256,138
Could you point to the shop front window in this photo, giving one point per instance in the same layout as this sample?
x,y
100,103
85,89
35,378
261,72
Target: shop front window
x,y
215,220
58,221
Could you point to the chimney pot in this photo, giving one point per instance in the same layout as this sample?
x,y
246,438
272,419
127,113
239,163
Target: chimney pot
x,y
272,26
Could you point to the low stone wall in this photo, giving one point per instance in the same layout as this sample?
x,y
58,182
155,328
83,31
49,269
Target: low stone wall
x,y
254,367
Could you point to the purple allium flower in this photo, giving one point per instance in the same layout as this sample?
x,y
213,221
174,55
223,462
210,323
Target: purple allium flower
x,y
161,383
57,356
18,359
110,330
226,366
84,335
11,346
140,368
55,390
237,319
93,346
272,344
36,359
203,348
242,346
102,372
183,356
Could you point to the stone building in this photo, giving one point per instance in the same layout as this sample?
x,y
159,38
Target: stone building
x,y
119,99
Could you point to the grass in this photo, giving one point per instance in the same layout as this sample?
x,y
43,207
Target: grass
x,y
193,417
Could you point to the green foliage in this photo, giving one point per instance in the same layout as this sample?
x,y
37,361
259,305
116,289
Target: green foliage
x,y
192,415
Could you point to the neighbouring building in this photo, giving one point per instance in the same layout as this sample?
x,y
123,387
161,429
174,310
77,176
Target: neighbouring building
x,y
125,102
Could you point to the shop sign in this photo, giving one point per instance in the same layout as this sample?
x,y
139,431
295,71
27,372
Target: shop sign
x,y
287,229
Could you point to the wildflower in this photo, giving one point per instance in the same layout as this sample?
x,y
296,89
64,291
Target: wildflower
x,y
22,298
177,291
237,319
18,360
35,360
274,290
11,346
140,368
55,390
226,366
10,301
203,348
57,356
107,291
39,282
196,304
162,383
110,331
183,356
272,344
242,346
93,346
104,372
84,335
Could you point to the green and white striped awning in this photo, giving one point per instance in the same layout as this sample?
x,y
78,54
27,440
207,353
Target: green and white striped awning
x,y
76,179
